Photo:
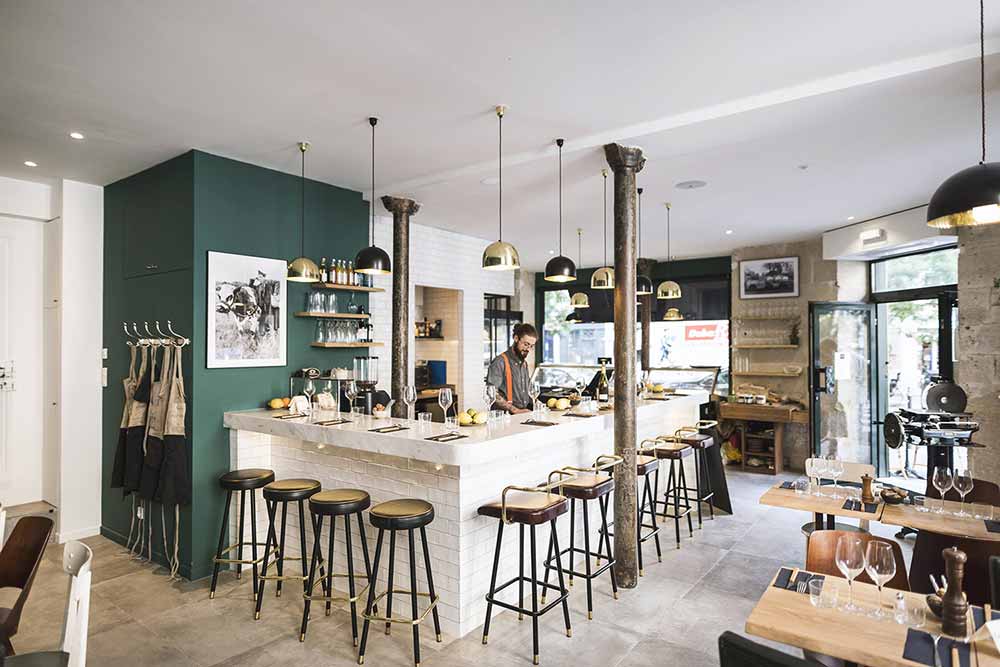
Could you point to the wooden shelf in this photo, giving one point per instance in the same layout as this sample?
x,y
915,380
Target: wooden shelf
x,y
763,346
346,344
429,338
768,319
334,316
767,374
346,288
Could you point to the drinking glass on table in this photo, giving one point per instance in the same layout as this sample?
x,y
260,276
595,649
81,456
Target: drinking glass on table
x,y
445,397
835,469
309,389
489,397
880,564
850,562
351,392
534,389
942,481
962,481
410,399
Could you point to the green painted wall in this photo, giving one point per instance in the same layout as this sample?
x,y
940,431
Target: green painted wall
x,y
222,205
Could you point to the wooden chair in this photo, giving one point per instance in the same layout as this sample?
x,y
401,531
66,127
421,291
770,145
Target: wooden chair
x,y
19,562
77,558
927,560
737,651
821,556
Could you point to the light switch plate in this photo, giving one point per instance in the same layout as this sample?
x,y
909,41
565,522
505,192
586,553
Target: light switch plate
x,y
104,353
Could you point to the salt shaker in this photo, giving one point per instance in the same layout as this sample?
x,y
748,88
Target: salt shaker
x,y
899,609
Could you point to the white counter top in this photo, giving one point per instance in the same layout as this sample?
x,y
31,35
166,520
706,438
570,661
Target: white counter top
x,y
484,443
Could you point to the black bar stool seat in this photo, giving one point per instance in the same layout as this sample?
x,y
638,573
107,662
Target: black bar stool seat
x,y
284,491
588,487
240,481
529,508
407,514
645,464
333,503
672,449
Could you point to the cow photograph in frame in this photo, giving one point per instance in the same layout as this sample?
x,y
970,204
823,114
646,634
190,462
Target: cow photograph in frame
x,y
769,278
247,313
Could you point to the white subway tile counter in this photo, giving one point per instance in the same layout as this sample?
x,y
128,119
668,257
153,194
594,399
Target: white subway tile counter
x,y
456,477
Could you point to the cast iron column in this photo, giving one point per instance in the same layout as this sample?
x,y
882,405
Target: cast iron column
x,y
626,162
401,209
646,267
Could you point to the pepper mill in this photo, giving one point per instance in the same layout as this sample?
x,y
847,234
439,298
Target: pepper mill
x,y
867,495
954,607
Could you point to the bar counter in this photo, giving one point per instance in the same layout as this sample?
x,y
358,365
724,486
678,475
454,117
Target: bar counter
x,y
456,477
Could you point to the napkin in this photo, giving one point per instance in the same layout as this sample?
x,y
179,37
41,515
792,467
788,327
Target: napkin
x,y
392,428
446,437
580,414
993,526
919,647
979,617
334,422
855,506
994,628
289,416
786,485
536,422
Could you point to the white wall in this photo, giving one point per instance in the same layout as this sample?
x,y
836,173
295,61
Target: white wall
x,y
440,258
904,232
434,303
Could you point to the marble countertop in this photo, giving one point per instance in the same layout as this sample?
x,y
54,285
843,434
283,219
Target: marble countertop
x,y
483,444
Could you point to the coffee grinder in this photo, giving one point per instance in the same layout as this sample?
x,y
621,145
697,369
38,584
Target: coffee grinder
x,y
366,379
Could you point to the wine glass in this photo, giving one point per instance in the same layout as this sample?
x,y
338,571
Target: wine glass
x,y
812,473
351,392
880,564
309,389
962,482
534,389
489,396
410,399
835,469
820,469
850,562
942,481
445,397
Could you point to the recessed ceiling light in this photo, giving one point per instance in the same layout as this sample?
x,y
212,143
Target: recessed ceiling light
x,y
803,167
29,163
690,185
552,252
850,217
728,232
76,135
490,180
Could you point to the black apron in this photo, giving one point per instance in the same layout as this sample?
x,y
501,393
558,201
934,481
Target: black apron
x,y
118,470
136,432
175,483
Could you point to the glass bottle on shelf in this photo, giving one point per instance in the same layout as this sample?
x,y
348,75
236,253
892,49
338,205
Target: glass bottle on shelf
x,y
322,270
350,273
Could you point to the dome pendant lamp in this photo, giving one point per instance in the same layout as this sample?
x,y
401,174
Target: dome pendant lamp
x,y
580,299
604,277
302,269
668,289
560,269
643,285
500,255
373,260
972,196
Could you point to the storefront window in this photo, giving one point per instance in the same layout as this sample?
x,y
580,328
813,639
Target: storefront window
x,y
927,269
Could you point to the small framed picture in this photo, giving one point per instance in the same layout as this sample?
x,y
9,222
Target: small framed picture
x,y
769,278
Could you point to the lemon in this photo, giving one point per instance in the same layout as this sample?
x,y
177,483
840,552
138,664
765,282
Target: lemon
x,y
275,403
562,404
480,418
464,418
552,403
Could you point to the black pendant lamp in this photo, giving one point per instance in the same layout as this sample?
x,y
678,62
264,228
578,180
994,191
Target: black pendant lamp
x,y
560,269
373,260
668,289
500,255
580,299
643,285
604,277
302,269
972,196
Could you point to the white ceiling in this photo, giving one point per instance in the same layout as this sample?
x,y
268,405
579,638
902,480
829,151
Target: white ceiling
x,y
878,99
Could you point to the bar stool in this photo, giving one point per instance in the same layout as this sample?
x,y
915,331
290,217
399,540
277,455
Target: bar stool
x,y
243,481
395,515
701,443
645,465
334,503
284,491
673,450
528,506
589,485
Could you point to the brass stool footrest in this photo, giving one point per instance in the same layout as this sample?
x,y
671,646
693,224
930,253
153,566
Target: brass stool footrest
x,y
406,621
242,561
308,594
282,577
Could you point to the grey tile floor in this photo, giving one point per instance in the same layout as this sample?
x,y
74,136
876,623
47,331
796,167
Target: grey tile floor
x,y
674,616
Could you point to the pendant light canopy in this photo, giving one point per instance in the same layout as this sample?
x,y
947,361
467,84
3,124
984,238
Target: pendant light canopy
x,y
580,299
560,269
668,289
500,255
643,285
972,196
302,269
672,315
373,260
604,277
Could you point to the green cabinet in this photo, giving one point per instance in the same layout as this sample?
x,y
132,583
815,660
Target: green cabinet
x,y
157,209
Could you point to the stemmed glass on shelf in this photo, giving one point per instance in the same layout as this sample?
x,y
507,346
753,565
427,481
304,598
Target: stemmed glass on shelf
x,y
942,481
309,389
962,482
850,562
410,399
880,564
445,398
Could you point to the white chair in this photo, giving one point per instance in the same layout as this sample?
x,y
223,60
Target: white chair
x,y
77,557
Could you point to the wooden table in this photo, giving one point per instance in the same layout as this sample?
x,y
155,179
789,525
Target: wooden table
x,y
789,617
818,505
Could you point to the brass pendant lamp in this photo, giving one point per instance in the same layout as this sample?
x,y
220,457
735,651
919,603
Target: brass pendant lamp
x,y
972,196
560,269
643,285
668,289
580,299
672,315
604,277
302,269
500,255
373,260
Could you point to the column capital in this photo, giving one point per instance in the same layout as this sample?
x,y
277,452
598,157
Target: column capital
x,y
621,158
400,205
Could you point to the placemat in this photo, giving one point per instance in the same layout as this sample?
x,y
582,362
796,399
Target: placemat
x,y
786,485
576,414
334,422
979,616
288,416
446,437
392,428
992,526
919,647
537,422
856,506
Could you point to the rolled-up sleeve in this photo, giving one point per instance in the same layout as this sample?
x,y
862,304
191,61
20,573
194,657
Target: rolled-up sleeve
x,y
495,376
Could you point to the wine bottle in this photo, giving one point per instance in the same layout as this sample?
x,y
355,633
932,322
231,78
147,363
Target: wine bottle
x,y
323,274
603,391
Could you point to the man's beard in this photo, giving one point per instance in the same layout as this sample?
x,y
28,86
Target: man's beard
x,y
523,355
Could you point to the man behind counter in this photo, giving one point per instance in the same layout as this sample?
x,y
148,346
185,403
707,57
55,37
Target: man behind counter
x,y
509,372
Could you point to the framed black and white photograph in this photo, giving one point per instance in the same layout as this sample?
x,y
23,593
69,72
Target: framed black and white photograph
x,y
247,299
769,278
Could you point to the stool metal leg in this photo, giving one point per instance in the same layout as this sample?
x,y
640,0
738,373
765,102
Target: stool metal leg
x,y
493,583
413,597
687,501
548,559
280,560
239,549
371,597
369,572
572,536
302,543
317,523
674,488
329,565
392,564
272,510
430,581
638,529
603,504
697,483
222,544
534,598
253,535
350,578
562,583
520,571
652,518
586,547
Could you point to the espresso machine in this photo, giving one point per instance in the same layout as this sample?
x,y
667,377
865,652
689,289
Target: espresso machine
x,y
366,380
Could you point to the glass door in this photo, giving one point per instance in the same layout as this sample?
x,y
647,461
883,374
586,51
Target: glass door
x,y
841,381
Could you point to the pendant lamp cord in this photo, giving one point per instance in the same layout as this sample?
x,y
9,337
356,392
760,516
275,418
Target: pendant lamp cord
x,y
559,142
302,197
373,121
604,172
639,198
500,170
982,75
668,231
579,246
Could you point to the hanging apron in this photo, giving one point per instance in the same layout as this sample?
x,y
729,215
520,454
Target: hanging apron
x,y
156,415
136,433
118,470
175,483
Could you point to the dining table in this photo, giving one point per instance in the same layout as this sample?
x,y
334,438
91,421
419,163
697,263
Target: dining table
x,y
790,617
